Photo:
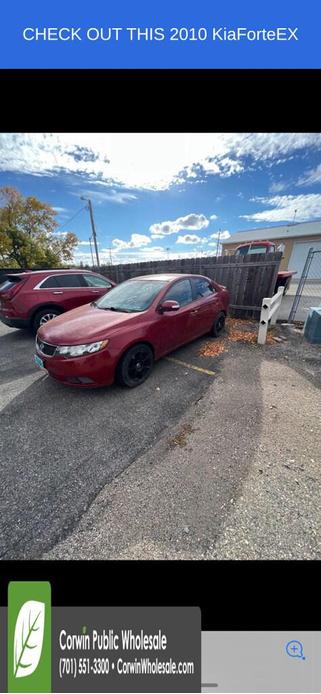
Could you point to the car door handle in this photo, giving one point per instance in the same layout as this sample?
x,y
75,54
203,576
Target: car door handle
x,y
57,292
193,313
95,291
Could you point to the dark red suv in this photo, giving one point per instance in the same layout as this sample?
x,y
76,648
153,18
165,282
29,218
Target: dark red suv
x,y
31,299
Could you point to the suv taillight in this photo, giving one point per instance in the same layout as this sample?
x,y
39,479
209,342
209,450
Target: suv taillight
x,y
12,291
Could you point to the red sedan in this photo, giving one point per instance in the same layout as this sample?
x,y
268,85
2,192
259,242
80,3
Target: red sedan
x,y
120,335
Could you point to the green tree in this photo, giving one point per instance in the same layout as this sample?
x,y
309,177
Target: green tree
x,y
27,233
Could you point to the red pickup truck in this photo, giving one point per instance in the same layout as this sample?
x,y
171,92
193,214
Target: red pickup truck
x,y
284,276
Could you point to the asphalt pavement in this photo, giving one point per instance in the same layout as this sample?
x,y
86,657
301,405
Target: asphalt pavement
x,y
59,446
209,458
238,478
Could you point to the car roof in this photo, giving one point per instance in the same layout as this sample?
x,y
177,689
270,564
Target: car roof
x,y
257,243
165,277
51,272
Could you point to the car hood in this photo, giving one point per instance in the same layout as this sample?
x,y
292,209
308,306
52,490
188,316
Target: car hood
x,y
83,325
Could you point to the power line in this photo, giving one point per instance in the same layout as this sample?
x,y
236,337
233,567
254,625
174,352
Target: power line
x,y
71,218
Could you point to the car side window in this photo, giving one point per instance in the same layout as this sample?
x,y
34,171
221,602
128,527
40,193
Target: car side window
x,y
49,283
202,287
181,292
94,281
70,280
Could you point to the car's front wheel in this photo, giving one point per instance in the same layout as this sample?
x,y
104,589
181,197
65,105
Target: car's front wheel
x,y
43,316
135,366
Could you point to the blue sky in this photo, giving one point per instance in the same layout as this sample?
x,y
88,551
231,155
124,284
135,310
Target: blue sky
x,y
166,195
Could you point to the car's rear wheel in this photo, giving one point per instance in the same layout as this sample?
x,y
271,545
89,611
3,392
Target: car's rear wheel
x,y
218,325
43,316
135,366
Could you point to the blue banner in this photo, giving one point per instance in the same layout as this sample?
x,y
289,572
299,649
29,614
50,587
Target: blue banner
x,y
177,34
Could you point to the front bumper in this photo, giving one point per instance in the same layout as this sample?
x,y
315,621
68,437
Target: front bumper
x,y
90,371
14,322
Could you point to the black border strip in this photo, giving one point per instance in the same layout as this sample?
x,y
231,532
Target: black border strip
x,y
159,100
232,595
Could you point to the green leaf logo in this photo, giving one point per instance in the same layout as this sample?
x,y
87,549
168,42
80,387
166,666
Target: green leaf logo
x,y
28,638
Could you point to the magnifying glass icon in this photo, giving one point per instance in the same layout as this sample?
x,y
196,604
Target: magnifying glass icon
x,y
295,649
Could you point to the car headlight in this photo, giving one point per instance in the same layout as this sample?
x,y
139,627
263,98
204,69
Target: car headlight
x,y
80,350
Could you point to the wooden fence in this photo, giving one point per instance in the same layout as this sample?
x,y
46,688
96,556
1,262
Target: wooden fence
x,y
249,278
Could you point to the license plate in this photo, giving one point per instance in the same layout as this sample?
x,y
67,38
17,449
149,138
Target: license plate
x,y
39,362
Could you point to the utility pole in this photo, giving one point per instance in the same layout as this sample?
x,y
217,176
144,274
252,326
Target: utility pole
x,y
109,249
92,221
218,242
91,251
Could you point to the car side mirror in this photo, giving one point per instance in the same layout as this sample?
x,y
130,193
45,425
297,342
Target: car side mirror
x,y
168,305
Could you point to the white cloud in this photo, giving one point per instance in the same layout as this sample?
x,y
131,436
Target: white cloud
x,y
83,257
153,249
86,243
285,207
222,235
136,241
278,187
213,216
192,222
229,167
149,161
273,146
191,238
99,196
310,177
140,255
60,209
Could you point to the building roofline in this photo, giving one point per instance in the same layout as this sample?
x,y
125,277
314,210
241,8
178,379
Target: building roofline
x,y
289,224
273,229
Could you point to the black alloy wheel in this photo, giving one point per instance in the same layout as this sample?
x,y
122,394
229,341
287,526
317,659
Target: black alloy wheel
x,y
219,325
135,366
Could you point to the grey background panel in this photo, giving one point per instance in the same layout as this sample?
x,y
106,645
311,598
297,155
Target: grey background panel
x,y
181,625
242,661
256,661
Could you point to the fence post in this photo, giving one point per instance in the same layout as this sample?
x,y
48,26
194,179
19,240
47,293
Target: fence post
x,y
301,285
264,321
275,314
269,312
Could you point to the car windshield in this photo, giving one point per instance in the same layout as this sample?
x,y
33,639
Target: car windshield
x,y
251,250
131,296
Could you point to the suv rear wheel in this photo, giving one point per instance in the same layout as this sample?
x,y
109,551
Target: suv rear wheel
x,y
43,316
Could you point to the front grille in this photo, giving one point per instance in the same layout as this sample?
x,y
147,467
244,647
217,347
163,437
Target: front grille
x,y
45,348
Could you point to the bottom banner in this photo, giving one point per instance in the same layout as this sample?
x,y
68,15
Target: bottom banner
x,y
97,649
